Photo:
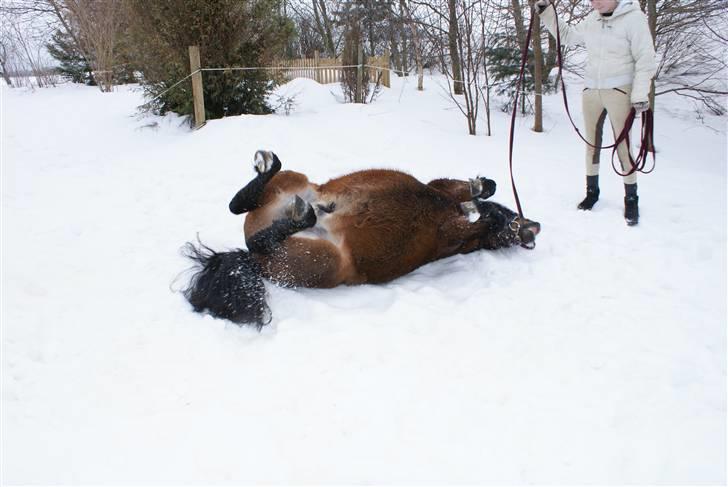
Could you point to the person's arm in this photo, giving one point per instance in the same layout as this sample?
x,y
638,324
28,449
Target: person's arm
x,y
643,53
571,35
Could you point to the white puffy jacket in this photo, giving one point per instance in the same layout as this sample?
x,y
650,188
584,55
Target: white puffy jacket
x,y
619,47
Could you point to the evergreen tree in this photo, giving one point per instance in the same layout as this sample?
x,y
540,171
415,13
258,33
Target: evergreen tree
x,y
230,33
73,65
504,66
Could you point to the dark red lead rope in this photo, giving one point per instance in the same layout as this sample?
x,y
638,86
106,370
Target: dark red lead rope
x,y
646,143
524,58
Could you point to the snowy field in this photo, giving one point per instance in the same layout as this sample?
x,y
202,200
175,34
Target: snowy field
x,y
599,357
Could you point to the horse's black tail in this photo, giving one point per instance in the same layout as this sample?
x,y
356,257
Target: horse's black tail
x,y
227,285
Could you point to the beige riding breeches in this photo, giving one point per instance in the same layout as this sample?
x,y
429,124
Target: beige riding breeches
x,y
597,104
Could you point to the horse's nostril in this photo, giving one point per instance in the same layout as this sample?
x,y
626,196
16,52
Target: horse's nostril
x,y
528,232
526,235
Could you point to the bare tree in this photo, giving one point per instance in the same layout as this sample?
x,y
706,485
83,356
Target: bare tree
x,y
469,53
4,54
453,36
690,49
439,21
99,22
354,81
416,41
23,54
308,41
517,13
57,14
484,14
538,69
325,24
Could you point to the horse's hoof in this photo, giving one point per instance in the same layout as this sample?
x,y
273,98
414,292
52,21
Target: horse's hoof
x,y
301,212
266,161
482,188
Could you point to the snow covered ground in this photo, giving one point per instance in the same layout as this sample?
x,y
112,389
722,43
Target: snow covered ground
x,y
598,357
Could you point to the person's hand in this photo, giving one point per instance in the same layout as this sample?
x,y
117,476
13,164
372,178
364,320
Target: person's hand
x,y
640,106
541,5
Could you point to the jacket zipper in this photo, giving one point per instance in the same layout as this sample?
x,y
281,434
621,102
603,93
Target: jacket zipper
x,y
601,54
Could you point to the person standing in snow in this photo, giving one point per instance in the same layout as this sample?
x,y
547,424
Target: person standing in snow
x,y
620,67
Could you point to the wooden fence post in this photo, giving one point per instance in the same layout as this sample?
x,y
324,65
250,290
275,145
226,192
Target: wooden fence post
x,y
386,72
359,75
317,71
197,91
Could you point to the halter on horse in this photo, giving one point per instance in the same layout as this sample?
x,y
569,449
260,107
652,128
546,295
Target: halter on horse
x,y
366,227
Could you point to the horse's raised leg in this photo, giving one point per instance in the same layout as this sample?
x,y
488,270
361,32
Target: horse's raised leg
x,y
485,224
299,215
466,193
462,191
266,164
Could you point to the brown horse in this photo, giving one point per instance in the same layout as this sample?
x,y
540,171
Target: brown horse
x,y
366,227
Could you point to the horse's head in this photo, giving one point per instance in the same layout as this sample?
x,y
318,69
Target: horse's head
x,y
505,228
525,231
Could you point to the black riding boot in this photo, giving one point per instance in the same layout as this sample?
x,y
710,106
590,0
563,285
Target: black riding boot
x,y
631,208
592,193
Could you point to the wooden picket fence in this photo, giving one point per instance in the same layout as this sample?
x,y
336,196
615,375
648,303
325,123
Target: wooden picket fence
x,y
328,70
323,71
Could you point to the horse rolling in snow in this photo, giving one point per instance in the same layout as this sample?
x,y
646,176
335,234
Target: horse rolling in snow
x,y
366,227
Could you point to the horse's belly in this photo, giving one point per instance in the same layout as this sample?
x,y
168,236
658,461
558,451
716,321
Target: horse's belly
x,y
365,236
384,250
307,261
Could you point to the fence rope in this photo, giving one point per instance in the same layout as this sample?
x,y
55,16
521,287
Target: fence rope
x,y
173,86
284,68
252,68
297,68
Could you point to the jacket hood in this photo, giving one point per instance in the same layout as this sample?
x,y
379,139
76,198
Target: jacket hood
x,y
623,7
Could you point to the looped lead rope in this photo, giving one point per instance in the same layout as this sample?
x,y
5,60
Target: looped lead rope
x,y
646,143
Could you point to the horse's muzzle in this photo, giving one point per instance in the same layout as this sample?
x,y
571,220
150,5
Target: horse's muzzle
x,y
527,233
